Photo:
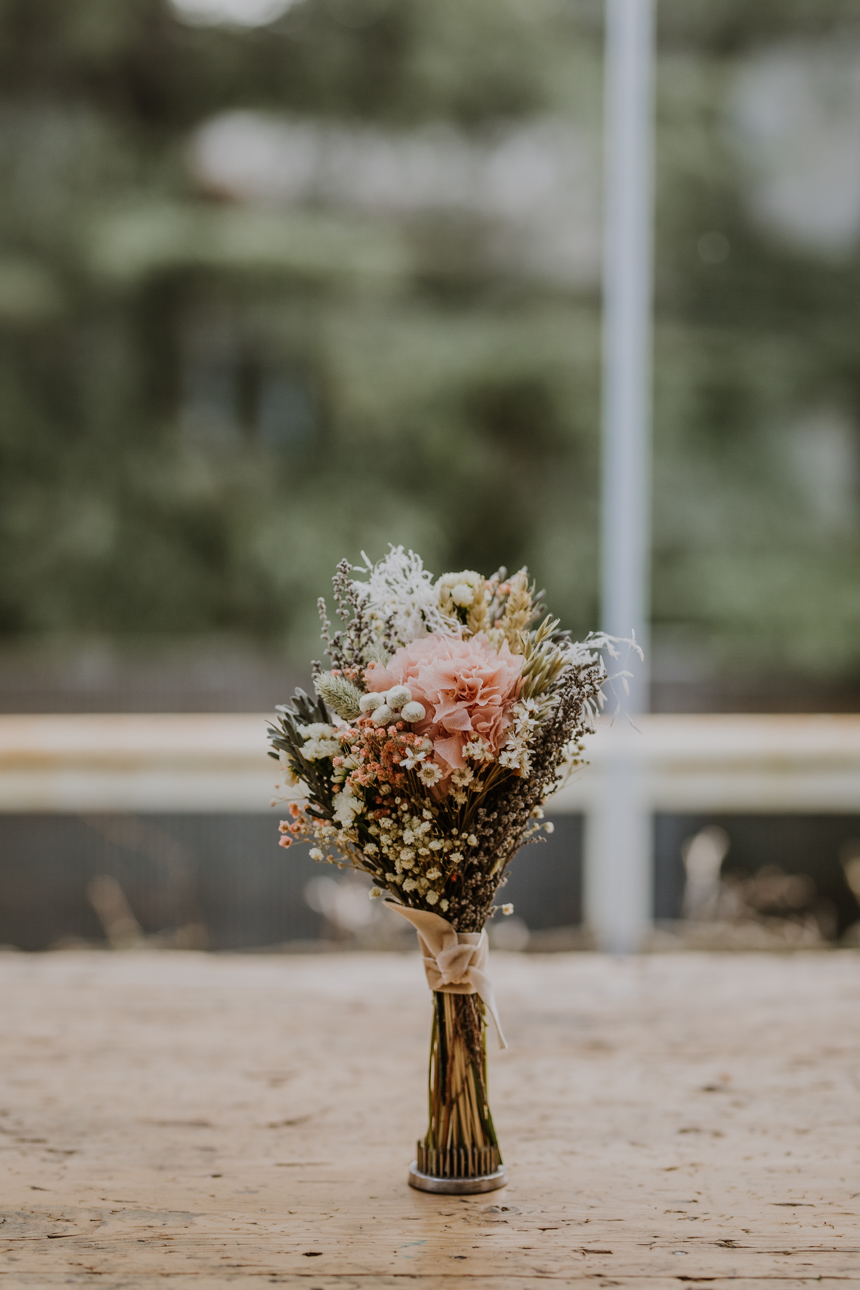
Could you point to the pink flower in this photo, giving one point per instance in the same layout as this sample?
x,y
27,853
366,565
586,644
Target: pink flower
x,y
467,687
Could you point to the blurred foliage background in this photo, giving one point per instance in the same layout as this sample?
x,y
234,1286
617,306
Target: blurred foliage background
x,y
282,281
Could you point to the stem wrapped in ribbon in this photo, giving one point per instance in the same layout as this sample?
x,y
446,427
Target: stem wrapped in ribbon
x,y
454,962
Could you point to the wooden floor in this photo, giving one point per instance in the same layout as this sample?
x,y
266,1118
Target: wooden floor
x,y
186,1121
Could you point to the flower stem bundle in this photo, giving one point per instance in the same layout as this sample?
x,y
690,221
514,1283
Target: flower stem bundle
x,y
451,709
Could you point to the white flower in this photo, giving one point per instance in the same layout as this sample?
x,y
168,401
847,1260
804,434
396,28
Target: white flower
x,y
456,857
432,897
537,812
433,874
383,714
472,840
320,740
435,845
316,854
316,749
413,711
463,776
397,696
459,588
376,892
369,702
507,909
549,828
443,904
400,596
410,884
462,594
430,773
477,750
412,759
316,730
347,807
292,789
407,853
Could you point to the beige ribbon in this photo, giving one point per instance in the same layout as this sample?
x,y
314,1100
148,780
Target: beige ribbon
x,y
454,962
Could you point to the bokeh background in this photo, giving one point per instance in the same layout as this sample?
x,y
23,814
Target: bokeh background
x,y
285,280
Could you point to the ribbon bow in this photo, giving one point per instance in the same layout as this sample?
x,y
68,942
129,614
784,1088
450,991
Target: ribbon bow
x,y
454,962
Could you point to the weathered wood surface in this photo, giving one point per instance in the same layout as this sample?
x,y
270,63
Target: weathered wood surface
x,y
194,1122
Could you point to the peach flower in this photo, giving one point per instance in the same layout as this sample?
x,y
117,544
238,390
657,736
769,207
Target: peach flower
x,y
467,687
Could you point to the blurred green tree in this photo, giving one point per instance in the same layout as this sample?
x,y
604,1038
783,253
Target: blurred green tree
x,y
273,294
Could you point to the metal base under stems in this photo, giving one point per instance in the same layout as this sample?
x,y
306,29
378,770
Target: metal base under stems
x,y
457,1186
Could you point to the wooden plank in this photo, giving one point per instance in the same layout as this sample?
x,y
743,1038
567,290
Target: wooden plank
x,y
183,1120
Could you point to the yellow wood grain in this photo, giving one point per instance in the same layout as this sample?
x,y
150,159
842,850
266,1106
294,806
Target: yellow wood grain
x,y
187,1121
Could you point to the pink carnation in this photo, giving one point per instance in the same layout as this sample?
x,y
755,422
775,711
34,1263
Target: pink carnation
x,y
467,687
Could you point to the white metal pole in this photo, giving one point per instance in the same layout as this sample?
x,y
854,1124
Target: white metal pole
x,y
618,887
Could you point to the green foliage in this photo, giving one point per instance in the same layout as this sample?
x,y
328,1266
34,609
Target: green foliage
x,y
338,694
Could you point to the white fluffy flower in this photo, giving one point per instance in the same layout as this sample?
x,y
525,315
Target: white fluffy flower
x,y
430,774
413,711
400,597
316,749
507,909
315,854
369,702
460,587
320,741
316,730
397,696
383,714
432,897
347,807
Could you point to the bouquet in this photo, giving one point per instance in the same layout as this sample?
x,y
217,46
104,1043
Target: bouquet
x,y
451,710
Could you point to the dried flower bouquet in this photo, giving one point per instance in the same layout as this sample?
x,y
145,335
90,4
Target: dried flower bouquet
x,y
452,709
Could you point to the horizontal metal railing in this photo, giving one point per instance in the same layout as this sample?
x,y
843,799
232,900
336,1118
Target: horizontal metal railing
x,y
217,762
